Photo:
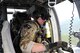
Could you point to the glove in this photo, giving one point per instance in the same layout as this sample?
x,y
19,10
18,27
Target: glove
x,y
56,45
64,44
51,46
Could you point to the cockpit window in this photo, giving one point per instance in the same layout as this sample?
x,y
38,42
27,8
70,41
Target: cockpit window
x,y
65,12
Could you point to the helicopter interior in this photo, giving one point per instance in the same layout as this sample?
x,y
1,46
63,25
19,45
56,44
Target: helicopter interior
x,y
28,6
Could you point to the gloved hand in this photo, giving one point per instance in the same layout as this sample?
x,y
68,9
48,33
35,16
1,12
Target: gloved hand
x,y
56,45
64,45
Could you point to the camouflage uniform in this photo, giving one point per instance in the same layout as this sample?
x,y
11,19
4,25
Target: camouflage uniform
x,y
28,36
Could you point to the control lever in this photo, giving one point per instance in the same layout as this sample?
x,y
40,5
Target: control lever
x,y
69,49
66,48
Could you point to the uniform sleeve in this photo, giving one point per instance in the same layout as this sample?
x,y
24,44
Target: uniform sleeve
x,y
27,38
